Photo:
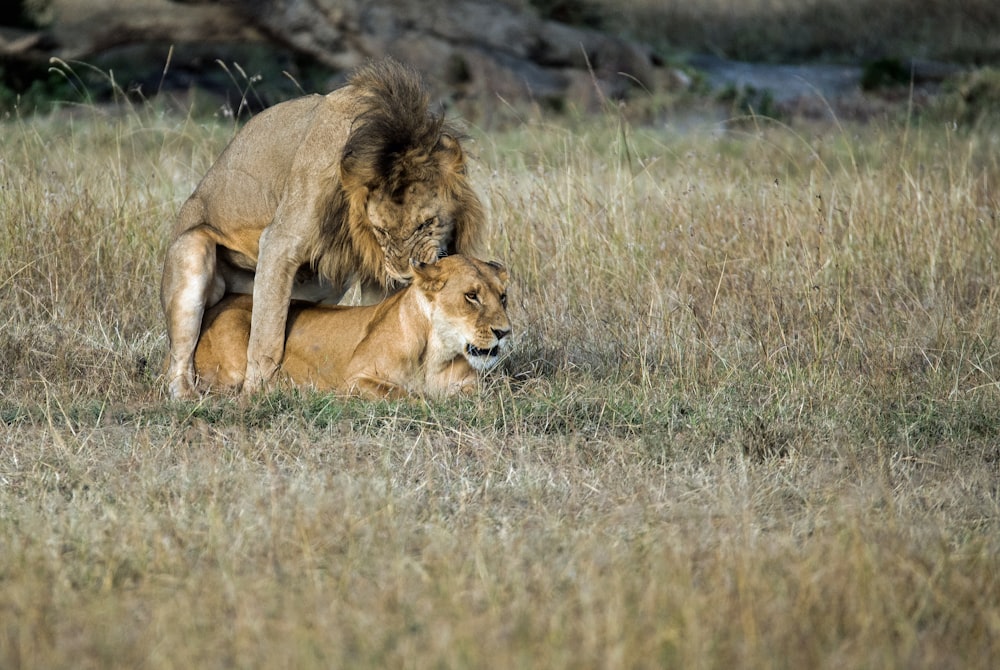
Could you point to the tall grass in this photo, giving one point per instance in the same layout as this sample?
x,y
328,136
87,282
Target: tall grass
x,y
750,419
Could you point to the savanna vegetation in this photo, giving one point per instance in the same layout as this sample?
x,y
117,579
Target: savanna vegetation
x,y
750,419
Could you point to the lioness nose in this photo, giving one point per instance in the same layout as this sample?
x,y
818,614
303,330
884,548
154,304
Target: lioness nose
x,y
500,334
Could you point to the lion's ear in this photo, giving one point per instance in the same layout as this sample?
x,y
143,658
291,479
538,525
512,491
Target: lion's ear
x,y
451,153
355,172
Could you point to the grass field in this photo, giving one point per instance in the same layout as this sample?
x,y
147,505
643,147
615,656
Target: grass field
x,y
751,419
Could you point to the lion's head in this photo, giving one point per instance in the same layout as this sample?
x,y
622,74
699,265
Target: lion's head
x,y
467,302
403,178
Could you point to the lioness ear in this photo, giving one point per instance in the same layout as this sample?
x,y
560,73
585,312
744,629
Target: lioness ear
x,y
501,270
419,267
427,275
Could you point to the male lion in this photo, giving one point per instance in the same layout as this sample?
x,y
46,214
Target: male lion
x,y
311,196
428,339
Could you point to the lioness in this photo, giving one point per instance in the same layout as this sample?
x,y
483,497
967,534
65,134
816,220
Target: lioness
x,y
429,339
311,196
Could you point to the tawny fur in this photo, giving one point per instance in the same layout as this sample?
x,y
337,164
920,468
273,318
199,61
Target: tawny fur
x,y
429,339
310,197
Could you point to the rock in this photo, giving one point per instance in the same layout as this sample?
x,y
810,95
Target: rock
x,y
476,53
784,82
82,30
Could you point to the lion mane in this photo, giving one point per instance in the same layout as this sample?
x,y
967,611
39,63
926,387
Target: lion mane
x,y
311,196
395,143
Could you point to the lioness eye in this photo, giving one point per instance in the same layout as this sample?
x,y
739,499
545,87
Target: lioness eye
x,y
426,224
503,300
472,296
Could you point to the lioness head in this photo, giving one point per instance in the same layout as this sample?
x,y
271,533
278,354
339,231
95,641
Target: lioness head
x,y
467,304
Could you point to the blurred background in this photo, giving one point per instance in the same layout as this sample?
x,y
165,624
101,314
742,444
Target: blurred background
x,y
485,58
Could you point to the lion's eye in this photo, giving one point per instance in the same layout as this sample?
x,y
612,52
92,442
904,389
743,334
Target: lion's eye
x,y
503,300
472,297
379,231
425,225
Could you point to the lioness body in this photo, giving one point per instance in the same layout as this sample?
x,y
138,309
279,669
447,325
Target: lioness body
x,y
310,197
428,339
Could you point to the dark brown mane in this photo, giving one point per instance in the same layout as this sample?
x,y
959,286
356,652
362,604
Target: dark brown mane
x,y
395,136
395,141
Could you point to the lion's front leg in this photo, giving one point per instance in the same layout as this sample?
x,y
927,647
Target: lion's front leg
x,y
190,284
272,293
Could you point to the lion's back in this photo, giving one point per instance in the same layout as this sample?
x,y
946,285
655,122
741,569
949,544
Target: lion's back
x,y
252,171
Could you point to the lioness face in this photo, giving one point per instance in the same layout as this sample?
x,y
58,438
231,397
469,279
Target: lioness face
x,y
468,300
414,224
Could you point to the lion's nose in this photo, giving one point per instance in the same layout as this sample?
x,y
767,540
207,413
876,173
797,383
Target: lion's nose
x,y
500,333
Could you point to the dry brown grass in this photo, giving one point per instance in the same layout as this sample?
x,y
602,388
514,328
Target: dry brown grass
x,y
750,421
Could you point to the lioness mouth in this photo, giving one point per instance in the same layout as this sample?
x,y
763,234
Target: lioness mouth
x,y
476,351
